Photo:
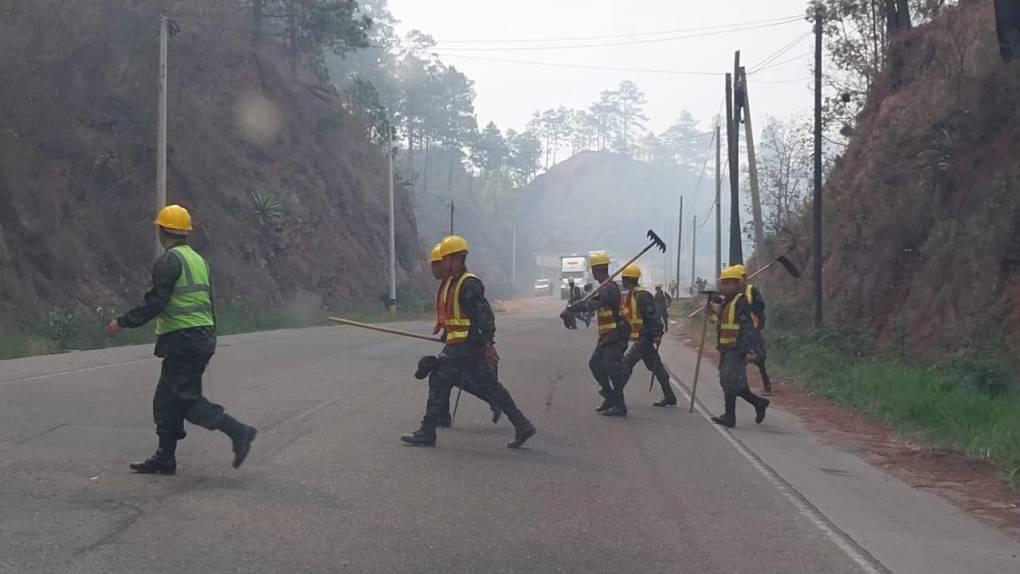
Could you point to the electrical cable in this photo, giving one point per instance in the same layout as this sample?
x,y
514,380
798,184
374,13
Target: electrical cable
x,y
618,36
617,43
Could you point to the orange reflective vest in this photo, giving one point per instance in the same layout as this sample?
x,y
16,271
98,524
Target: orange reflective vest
x,y
458,327
441,307
630,310
729,329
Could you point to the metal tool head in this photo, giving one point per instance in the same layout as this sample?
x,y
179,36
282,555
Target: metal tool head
x,y
790,267
657,240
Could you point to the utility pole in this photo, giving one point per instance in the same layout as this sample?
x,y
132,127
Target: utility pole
x,y
679,240
164,33
451,217
752,166
393,242
513,263
736,247
718,198
817,219
694,250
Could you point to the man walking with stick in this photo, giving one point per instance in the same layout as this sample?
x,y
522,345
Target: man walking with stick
x,y
606,361
645,332
738,343
470,352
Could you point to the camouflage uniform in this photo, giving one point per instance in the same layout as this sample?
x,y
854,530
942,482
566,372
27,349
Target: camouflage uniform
x,y
643,349
758,309
733,366
606,363
186,354
465,364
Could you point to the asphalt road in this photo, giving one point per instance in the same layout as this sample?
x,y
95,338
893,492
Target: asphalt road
x,y
330,488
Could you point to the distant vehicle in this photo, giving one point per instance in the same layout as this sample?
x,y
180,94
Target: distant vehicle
x,y
543,288
572,267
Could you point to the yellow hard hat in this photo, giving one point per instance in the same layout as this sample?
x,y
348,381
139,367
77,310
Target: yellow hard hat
x,y
453,244
174,219
596,258
742,269
437,253
631,271
731,272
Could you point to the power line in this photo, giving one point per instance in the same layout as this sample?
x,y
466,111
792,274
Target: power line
x,y
618,36
622,42
782,63
583,66
771,58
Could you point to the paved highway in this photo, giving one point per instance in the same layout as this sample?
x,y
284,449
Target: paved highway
x,y
329,487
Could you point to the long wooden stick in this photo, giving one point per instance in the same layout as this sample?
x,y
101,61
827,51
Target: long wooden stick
x,y
701,351
749,277
385,330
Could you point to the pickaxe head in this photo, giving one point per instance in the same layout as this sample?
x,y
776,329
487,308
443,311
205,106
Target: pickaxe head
x,y
790,267
657,240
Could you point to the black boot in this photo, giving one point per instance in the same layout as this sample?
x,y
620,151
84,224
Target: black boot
x,y
667,401
615,411
162,462
759,409
242,439
523,430
424,436
444,421
607,401
729,416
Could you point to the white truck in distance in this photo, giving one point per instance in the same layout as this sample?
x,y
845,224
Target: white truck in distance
x,y
572,267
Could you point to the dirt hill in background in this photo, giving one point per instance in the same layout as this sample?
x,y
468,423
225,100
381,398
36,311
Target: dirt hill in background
x,y
604,200
922,212
77,163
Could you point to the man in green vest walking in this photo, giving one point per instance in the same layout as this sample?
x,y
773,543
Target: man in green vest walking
x,y
180,301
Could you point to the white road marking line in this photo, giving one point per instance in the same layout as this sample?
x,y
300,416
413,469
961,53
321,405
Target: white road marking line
x,y
72,371
854,551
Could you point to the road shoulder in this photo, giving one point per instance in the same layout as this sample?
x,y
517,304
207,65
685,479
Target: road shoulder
x,y
904,528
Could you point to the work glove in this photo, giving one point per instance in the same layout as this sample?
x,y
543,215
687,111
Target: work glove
x,y
426,365
565,317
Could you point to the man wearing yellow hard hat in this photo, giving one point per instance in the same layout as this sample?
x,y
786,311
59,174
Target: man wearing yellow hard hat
x,y
646,327
439,272
754,297
469,356
738,344
181,302
606,362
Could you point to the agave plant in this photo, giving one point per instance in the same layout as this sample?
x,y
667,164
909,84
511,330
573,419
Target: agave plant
x,y
268,208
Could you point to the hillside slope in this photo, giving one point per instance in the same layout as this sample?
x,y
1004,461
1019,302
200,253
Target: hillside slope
x,y
922,211
604,200
77,163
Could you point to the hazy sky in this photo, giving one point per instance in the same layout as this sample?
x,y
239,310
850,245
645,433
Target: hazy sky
x,y
471,33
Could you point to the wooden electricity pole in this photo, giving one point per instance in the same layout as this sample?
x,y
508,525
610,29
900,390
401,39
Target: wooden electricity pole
x,y
718,198
164,33
816,255
694,251
679,241
752,166
736,249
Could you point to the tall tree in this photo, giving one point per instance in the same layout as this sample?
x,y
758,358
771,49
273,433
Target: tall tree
x,y
630,109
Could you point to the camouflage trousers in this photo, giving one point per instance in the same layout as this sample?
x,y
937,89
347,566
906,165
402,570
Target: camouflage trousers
x,y
469,371
644,350
609,369
179,398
